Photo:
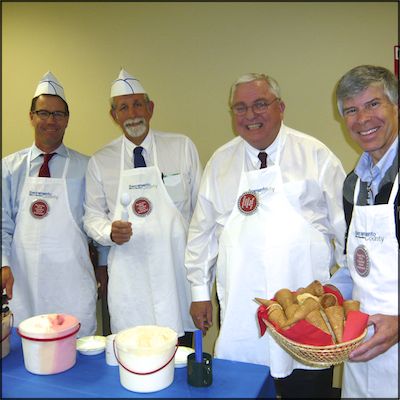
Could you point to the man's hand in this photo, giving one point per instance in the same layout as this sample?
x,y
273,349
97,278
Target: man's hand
x,y
385,336
7,281
121,231
201,312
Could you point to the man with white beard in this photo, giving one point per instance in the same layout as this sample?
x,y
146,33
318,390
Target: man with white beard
x,y
141,191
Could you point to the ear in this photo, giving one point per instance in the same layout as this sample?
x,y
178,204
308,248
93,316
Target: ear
x,y
31,115
150,108
114,115
282,106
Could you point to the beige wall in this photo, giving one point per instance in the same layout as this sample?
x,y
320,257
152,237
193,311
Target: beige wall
x,y
186,56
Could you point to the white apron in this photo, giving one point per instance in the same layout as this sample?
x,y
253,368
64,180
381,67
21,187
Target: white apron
x,y
50,256
272,248
147,279
372,256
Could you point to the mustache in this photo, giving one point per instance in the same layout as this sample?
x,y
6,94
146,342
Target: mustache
x,y
132,122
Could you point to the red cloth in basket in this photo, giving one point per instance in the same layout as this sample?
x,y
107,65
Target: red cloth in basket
x,y
306,333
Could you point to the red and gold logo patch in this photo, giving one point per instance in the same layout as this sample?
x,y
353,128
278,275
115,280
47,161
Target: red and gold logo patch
x,y
248,203
142,207
40,209
361,261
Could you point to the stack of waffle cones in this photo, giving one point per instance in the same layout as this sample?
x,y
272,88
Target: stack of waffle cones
x,y
313,305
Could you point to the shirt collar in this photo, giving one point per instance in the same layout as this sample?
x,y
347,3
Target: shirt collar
x,y
271,150
366,170
60,150
146,144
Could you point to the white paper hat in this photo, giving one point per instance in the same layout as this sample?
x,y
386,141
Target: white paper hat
x,y
126,84
49,85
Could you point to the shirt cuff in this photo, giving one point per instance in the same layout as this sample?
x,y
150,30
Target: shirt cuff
x,y
106,238
5,261
200,293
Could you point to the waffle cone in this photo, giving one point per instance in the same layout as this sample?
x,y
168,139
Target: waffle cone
x,y
335,316
304,309
277,315
328,300
284,297
351,305
315,288
315,318
301,298
265,302
290,311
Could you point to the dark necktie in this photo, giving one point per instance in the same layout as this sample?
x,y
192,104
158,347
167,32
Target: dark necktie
x,y
138,160
262,155
44,171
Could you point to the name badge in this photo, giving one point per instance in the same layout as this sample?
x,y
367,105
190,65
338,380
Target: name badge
x,y
39,209
142,207
361,261
248,203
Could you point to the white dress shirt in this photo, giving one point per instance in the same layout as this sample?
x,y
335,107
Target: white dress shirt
x,y
13,177
176,154
303,159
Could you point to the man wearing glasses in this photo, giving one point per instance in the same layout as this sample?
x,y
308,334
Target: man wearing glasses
x,y
46,267
268,209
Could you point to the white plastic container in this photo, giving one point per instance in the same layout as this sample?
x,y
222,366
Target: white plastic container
x,y
146,357
110,354
6,324
49,343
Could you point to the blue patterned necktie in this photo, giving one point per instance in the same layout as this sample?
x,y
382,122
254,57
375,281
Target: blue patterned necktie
x,y
138,160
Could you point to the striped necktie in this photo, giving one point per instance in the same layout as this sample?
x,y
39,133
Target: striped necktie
x,y
44,171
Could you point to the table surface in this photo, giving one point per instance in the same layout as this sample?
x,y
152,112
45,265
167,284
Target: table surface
x,y
92,377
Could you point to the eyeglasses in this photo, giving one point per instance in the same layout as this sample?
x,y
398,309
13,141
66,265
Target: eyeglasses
x,y
258,107
137,106
44,114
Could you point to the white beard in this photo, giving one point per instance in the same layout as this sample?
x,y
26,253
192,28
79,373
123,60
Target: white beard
x,y
134,130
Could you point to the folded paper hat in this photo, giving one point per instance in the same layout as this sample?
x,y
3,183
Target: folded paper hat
x,y
126,84
49,85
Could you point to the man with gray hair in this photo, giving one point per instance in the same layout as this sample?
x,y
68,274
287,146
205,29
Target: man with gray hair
x,y
268,210
367,99
140,195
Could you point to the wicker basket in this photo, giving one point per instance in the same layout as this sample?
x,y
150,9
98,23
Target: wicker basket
x,y
316,356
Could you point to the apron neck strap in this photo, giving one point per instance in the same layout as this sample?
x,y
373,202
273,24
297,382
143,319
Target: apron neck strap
x,y
393,193
395,189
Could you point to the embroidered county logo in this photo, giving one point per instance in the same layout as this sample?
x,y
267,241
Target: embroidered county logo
x,y
39,209
361,261
248,203
141,207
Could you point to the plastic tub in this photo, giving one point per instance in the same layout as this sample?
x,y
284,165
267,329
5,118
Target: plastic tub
x,y
146,357
49,343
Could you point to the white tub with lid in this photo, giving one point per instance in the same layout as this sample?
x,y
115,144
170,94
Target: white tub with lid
x,y
146,357
49,343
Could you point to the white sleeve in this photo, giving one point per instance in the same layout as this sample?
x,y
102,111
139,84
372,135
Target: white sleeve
x,y
96,221
195,172
7,220
202,246
331,180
